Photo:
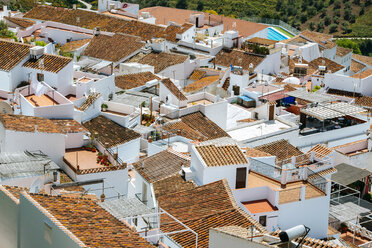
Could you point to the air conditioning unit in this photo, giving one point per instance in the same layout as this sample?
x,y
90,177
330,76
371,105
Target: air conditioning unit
x,y
187,173
36,52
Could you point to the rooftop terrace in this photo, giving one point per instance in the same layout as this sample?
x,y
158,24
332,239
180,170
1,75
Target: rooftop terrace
x,y
41,101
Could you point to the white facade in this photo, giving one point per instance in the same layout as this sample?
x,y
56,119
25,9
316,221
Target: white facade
x,y
180,71
36,229
51,144
168,97
347,83
8,221
345,61
204,174
105,85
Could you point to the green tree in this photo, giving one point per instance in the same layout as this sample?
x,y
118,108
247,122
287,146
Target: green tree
x,y
181,4
4,32
337,4
349,44
362,10
347,14
327,20
311,26
336,20
333,28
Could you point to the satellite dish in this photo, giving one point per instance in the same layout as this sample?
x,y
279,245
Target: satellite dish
x,y
36,186
125,5
5,108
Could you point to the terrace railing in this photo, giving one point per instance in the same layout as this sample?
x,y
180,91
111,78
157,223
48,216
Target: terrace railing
x,y
274,22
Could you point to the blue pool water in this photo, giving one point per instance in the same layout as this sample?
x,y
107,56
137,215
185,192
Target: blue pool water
x,y
275,35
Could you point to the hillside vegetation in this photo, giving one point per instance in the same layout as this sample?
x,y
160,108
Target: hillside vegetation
x,y
338,17
350,18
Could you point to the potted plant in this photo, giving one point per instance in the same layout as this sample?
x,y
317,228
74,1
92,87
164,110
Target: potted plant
x,y
343,227
104,107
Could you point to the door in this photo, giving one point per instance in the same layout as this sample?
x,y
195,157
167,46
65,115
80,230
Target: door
x,y
271,112
241,178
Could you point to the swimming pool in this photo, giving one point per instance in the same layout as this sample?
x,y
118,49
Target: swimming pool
x,y
273,34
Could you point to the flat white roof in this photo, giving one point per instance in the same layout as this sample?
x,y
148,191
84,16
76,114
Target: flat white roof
x,y
258,130
234,114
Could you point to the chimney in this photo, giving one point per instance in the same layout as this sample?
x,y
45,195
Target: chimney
x,y
74,6
97,31
35,128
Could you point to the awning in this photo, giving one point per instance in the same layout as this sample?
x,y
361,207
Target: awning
x,y
347,174
331,111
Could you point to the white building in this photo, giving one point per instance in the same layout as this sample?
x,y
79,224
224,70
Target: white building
x,y
19,133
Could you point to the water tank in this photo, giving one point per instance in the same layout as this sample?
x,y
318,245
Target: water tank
x,y
236,90
293,233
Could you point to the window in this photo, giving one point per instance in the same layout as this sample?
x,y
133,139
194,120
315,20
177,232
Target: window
x,y
241,178
262,220
40,77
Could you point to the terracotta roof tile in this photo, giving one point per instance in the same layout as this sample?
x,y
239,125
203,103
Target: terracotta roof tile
x,y
323,173
312,242
14,190
89,222
322,39
196,126
74,45
202,208
321,150
69,126
173,89
342,51
343,93
113,48
296,39
356,66
172,184
363,74
221,155
365,101
23,23
92,97
134,80
109,133
364,59
226,84
23,123
254,153
238,58
201,83
91,20
282,149
160,166
262,41
197,74
12,53
331,65
164,14
52,63
160,61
